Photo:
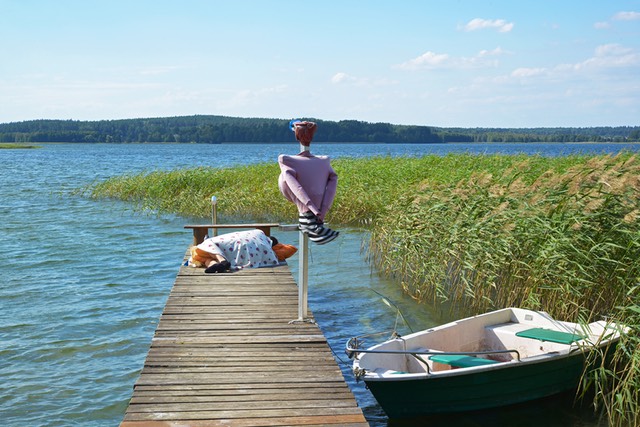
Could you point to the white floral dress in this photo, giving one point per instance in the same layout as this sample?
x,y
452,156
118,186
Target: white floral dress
x,y
243,249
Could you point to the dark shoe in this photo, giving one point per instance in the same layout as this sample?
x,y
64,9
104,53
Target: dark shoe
x,y
219,267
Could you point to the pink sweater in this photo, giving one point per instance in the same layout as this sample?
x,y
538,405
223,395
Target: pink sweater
x,y
308,181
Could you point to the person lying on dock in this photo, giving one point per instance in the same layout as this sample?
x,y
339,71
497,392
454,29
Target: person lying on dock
x,y
238,250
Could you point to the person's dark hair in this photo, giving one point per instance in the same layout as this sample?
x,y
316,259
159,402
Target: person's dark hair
x,y
274,241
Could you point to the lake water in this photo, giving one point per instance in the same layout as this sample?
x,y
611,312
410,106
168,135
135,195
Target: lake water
x,y
83,282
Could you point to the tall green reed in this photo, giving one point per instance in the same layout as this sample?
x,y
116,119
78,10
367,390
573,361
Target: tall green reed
x,y
565,241
500,239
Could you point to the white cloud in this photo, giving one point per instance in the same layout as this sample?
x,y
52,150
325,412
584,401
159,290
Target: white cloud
x,y
495,52
611,55
251,94
626,16
612,49
344,78
428,60
620,16
341,78
431,60
606,56
481,24
528,72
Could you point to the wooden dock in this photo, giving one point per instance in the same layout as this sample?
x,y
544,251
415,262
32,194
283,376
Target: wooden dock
x,y
225,354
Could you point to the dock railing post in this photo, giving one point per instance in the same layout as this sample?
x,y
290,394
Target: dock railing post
x,y
303,276
214,214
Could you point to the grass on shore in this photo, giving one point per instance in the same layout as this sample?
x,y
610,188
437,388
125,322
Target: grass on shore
x,y
10,145
482,232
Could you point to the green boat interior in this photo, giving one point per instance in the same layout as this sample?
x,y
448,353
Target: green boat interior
x,y
460,361
475,342
551,335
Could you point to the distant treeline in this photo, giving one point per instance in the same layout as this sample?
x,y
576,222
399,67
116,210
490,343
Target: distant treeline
x,y
222,129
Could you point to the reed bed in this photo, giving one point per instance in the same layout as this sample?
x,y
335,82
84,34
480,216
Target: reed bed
x,y
473,232
565,241
243,191
367,187
13,146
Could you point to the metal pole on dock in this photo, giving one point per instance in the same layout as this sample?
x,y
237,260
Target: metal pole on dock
x,y
303,275
214,214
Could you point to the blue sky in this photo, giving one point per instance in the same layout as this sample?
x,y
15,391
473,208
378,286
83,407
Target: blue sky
x,y
448,63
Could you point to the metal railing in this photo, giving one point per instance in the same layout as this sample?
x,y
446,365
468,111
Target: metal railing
x,y
352,350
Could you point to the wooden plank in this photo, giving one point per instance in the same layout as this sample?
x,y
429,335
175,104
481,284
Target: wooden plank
x,y
229,350
225,353
242,413
224,396
248,405
222,359
233,389
309,421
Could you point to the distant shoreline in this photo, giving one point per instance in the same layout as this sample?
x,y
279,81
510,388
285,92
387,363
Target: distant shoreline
x,y
23,145
222,129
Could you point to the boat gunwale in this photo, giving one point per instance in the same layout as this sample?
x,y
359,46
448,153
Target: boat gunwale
x,y
373,376
424,352
580,347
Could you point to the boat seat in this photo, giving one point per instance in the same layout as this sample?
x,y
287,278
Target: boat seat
x,y
550,335
461,361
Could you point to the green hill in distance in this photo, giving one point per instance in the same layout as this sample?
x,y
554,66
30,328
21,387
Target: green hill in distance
x,y
209,129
